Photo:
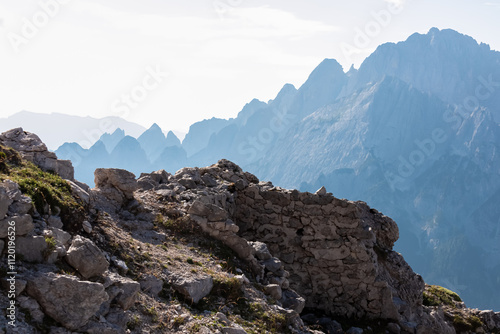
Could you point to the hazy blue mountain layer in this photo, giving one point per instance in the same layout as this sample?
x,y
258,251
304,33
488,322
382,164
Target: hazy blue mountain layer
x,y
414,132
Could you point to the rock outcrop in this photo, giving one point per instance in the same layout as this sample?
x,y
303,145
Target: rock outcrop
x,y
33,149
114,187
66,299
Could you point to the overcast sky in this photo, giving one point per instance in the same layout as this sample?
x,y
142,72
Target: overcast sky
x,y
178,62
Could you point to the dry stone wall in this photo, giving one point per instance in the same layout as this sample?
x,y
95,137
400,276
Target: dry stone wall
x,y
339,253
335,253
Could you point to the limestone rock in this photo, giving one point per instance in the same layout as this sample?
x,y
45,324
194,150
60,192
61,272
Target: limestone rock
x,y
240,245
212,212
12,189
23,225
87,227
86,257
273,264
128,292
33,149
166,194
62,237
151,285
208,180
55,222
291,300
80,192
261,251
66,299
194,288
33,307
119,179
321,191
31,248
273,290
330,326
121,290
21,206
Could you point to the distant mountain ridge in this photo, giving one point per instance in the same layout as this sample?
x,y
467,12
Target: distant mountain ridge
x,y
148,152
84,130
414,132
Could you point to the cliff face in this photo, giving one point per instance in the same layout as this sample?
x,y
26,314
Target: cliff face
x,y
206,250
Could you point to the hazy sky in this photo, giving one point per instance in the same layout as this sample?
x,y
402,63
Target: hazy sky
x,y
178,62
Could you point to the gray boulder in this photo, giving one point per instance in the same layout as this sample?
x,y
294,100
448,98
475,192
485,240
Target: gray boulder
x,y
120,179
113,189
321,191
31,248
23,225
128,294
273,290
151,285
293,301
66,299
21,206
122,290
12,189
80,192
194,288
86,257
273,264
261,251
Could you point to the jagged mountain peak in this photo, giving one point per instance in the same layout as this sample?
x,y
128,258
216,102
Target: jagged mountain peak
x,y
118,132
111,140
154,131
172,140
248,110
287,90
328,69
154,126
442,62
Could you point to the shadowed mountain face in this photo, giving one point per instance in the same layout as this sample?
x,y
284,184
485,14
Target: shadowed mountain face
x,y
414,132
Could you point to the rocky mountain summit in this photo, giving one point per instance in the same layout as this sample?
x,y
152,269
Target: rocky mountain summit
x,y
204,250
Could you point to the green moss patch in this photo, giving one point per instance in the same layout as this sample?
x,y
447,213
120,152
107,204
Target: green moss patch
x,y
470,323
48,191
435,295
